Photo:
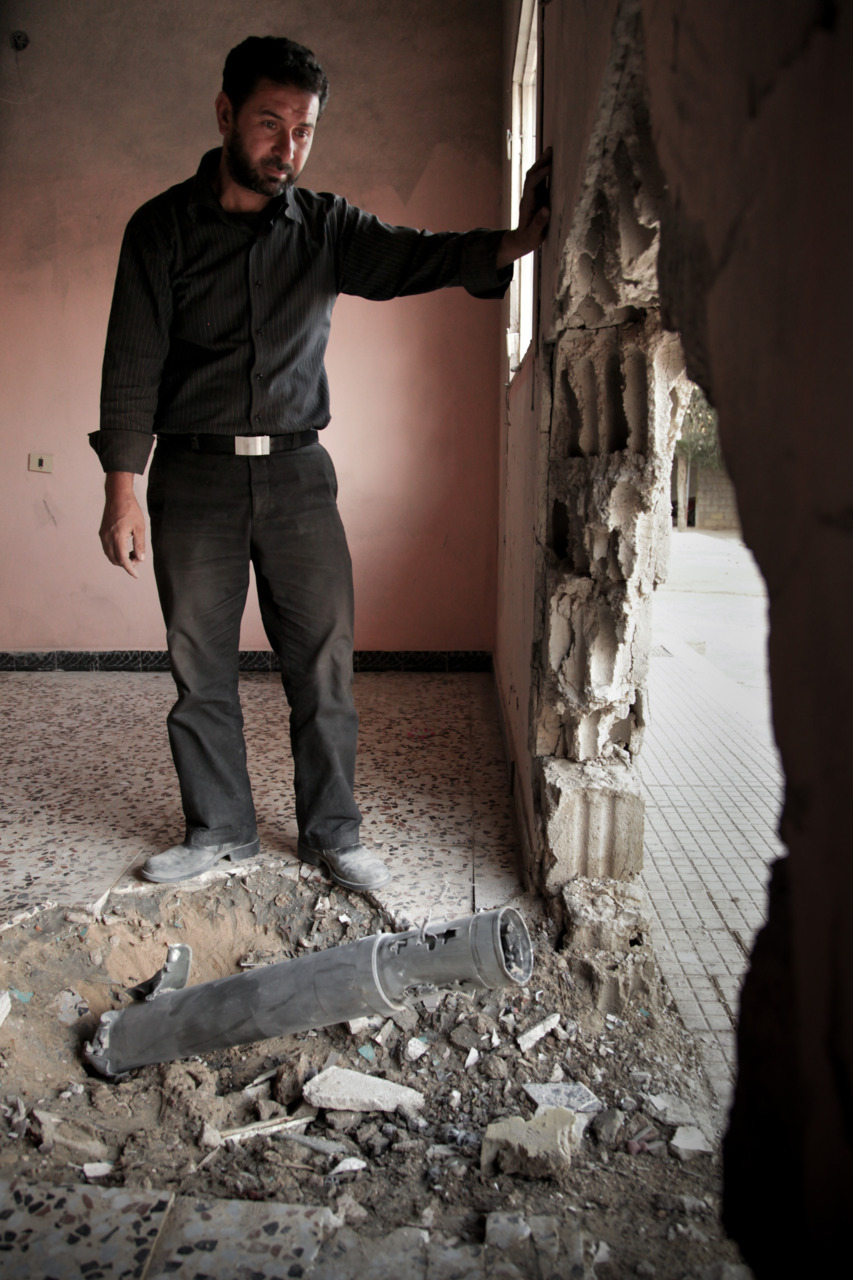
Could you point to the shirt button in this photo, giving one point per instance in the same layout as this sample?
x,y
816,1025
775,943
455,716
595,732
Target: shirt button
x,y
259,332
258,283
259,376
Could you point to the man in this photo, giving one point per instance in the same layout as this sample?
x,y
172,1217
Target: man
x,y
217,333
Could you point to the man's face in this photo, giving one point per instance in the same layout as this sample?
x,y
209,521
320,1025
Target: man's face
x,y
266,145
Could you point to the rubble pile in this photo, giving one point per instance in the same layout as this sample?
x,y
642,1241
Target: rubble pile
x,y
528,1100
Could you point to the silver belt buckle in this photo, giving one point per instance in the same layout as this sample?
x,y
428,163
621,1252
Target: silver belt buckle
x,y
251,446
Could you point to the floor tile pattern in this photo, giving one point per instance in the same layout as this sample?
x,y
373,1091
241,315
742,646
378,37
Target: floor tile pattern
x,y
88,788
713,789
100,1233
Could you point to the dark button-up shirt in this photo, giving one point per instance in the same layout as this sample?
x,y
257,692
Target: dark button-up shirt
x,y
219,323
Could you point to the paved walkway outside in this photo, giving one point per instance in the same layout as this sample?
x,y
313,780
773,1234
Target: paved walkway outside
x,y
713,784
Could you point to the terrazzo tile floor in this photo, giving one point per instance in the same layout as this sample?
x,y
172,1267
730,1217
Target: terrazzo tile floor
x,y
89,791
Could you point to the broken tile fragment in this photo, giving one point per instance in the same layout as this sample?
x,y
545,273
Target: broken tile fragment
x,y
351,1164
574,1097
528,1039
343,1090
690,1141
668,1108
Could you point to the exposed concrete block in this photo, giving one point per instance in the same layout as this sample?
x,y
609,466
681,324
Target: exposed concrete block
x,y
605,915
608,944
537,1148
593,821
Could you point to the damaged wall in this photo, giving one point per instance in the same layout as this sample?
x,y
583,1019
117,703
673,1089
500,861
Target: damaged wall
x,y
750,111
110,104
609,395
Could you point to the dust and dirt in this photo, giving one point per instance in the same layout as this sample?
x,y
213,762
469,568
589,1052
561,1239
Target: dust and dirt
x,y
177,1126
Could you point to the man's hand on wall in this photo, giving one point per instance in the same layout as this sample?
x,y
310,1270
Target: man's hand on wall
x,y
533,214
122,531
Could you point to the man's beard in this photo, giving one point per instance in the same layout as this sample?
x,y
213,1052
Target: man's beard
x,y
264,182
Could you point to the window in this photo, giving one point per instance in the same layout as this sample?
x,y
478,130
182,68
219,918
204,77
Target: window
x,y
521,152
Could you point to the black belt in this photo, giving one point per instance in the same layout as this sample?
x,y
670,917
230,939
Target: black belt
x,y
243,446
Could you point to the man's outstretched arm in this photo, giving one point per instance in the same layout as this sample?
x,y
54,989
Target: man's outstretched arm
x,y
533,216
122,531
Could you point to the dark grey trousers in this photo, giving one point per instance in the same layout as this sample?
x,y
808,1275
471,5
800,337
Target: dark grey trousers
x,y
211,515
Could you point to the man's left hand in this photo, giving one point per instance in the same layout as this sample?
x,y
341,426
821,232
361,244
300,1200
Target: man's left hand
x,y
533,215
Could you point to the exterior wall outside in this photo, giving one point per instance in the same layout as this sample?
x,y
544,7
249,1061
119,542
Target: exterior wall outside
x,y
716,501
128,91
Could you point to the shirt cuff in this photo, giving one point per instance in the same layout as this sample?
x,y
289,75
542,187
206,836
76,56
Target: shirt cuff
x,y
479,270
121,450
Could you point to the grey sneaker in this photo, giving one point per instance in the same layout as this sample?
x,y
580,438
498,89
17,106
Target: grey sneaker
x,y
183,861
354,868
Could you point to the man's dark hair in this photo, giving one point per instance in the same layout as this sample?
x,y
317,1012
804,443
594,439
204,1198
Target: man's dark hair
x,y
272,58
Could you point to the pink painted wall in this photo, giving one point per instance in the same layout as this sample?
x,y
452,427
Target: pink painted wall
x,y
110,104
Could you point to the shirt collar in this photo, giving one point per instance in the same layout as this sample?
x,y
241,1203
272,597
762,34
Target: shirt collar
x,y
202,195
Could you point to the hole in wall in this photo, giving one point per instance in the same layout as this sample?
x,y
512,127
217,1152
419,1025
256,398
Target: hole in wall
x,y
560,530
616,430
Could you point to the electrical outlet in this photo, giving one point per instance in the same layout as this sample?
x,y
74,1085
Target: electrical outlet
x,y
40,462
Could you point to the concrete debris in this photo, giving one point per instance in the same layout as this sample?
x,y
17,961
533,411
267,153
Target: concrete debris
x,y
690,1141
537,1148
528,1039
692,1204
323,1146
405,1018
667,1108
441,1151
81,1147
574,1097
690,1232
352,1164
472,1059
97,1169
350,1210
607,1125
416,1048
602,1254
344,1121
382,1037
464,1036
210,1137
340,1089
5,1006
357,1026
47,1125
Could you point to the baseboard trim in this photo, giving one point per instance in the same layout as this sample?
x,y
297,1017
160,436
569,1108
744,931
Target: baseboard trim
x,y
448,660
